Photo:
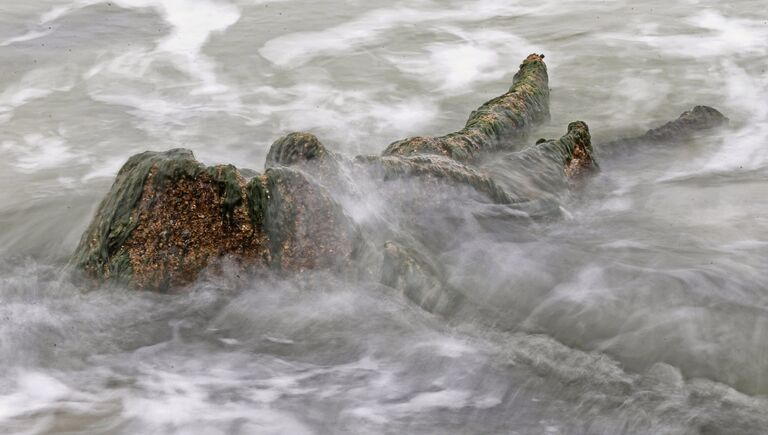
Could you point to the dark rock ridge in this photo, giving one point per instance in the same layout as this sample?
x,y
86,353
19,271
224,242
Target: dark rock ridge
x,y
167,217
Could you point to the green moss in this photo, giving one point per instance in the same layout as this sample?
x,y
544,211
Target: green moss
x,y
228,180
113,222
497,124
99,249
295,148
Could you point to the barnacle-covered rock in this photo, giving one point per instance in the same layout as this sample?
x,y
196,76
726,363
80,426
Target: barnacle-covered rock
x,y
168,217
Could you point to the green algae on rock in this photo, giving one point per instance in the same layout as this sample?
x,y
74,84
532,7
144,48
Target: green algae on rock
x,y
168,217
296,148
496,124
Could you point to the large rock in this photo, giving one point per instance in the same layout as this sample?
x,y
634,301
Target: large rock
x,y
168,217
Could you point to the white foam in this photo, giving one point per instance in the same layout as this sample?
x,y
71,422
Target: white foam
x,y
478,56
301,47
39,152
183,402
348,120
39,392
34,85
449,347
451,399
105,169
712,34
29,36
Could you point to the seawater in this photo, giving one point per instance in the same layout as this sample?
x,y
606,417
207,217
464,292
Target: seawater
x,y
645,310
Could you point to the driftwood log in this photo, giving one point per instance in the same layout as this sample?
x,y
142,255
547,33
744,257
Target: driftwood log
x,y
168,217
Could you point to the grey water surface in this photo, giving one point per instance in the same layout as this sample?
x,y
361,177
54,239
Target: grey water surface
x,y
643,311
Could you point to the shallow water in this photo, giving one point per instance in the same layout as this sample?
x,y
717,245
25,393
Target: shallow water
x,y
645,310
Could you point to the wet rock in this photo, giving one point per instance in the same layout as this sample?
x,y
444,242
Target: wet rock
x,y
541,172
168,217
305,228
495,125
691,122
296,149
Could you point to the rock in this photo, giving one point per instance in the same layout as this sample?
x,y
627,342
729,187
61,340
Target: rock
x,y
496,124
296,149
305,227
168,217
541,172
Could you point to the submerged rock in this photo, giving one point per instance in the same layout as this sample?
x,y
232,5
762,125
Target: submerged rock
x,y
545,170
690,123
437,169
418,279
297,149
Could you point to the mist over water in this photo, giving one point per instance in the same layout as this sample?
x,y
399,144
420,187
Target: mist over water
x,y
644,310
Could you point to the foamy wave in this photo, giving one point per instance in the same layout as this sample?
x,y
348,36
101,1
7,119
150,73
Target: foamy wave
x,y
359,121
456,66
746,98
41,152
301,47
35,85
712,34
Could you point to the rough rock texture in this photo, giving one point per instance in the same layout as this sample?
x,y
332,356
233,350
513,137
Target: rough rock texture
x,y
168,217
496,124
296,148
687,125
